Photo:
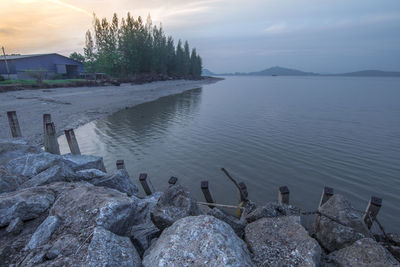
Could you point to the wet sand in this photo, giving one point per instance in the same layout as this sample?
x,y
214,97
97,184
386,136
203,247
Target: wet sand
x,y
73,107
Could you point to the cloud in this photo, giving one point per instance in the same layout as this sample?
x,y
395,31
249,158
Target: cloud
x,y
276,28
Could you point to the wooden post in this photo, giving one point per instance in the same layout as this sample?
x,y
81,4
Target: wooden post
x,y
372,210
46,119
14,125
283,196
120,164
243,192
206,193
146,184
172,181
326,194
72,142
52,146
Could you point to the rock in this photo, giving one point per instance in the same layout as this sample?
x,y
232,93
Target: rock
x,y
333,235
281,241
198,241
174,204
9,182
31,164
272,209
120,181
236,224
142,235
108,249
364,252
84,162
65,246
395,251
15,226
25,204
57,173
43,232
89,175
14,148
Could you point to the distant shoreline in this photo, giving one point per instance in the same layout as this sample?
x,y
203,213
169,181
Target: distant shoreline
x,y
72,107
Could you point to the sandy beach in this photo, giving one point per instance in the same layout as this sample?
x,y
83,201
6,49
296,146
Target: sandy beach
x,y
73,107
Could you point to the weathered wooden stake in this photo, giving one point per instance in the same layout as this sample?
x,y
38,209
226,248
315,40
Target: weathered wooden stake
x,y
206,193
14,125
326,194
72,142
372,210
46,119
283,196
52,146
120,164
243,192
172,181
146,184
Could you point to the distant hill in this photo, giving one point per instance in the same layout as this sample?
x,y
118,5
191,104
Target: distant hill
x,y
279,71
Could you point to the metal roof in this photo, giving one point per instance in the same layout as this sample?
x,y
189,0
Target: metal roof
x,y
22,56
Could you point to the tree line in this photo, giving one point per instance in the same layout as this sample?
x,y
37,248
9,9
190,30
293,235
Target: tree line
x,y
130,47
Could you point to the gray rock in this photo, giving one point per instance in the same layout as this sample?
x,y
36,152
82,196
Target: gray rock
x,y
43,233
108,249
89,175
174,204
333,235
142,235
281,241
272,209
120,181
25,204
9,182
84,162
236,224
15,226
31,164
14,148
57,173
364,252
198,241
65,245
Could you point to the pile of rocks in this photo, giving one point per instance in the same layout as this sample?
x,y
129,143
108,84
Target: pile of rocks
x,y
68,211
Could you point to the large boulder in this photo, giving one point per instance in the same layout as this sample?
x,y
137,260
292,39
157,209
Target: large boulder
x,y
236,224
198,241
272,209
14,148
364,252
174,204
120,181
109,249
31,164
84,162
57,173
24,204
281,241
345,228
43,233
9,182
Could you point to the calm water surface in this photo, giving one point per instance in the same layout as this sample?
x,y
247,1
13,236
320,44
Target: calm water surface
x,y
303,132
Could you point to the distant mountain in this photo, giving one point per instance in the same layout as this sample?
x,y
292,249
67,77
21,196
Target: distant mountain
x,y
207,72
279,71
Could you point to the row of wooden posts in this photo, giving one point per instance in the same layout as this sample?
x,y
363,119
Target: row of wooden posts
x,y
51,145
50,141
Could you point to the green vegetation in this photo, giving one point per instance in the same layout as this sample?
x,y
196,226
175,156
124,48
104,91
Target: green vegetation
x,y
34,82
130,47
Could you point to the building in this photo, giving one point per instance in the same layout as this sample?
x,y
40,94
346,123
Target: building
x,y
54,65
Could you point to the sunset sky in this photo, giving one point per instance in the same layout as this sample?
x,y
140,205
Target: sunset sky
x,y
231,35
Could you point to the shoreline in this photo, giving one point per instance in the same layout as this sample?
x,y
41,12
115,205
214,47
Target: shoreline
x,y
71,107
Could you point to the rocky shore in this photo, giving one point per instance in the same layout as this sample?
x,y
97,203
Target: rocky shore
x,y
69,211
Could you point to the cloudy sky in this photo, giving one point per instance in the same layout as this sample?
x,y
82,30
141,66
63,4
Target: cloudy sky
x,y
231,35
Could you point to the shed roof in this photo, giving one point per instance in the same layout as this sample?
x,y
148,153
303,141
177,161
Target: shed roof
x,y
22,56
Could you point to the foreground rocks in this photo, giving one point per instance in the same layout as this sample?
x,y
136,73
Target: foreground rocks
x,y
198,241
281,241
68,211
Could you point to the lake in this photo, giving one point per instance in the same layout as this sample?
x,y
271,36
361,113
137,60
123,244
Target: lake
x,y
302,132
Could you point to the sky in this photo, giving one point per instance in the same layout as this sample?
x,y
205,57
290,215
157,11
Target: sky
x,y
327,36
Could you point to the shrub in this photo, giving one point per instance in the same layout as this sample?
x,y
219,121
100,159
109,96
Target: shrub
x,y
1,78
39,75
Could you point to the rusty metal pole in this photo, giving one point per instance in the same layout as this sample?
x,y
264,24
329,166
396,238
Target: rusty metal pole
x,y
206,193
172,181
46,119
375,203
120,164
72,142
146,184
326,195
283,195
52,146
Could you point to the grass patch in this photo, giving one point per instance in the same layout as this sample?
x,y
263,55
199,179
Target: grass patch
x,y
31,82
